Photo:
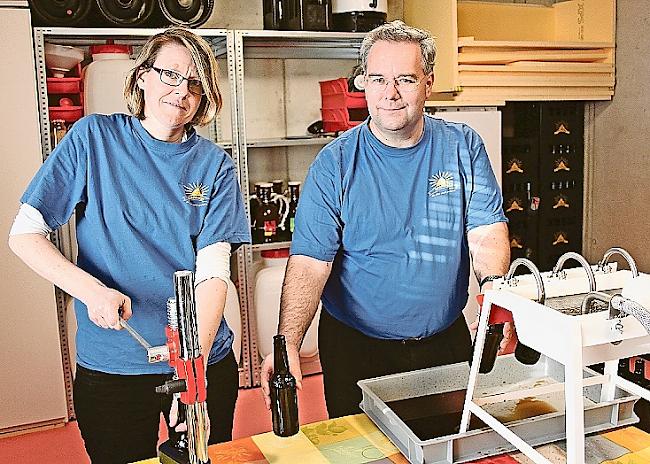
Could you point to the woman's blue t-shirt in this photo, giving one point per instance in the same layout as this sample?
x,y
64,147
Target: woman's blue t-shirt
x,y
144,207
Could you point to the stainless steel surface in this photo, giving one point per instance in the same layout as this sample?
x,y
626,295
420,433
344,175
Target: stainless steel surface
x,y
190,349
511,279
619,251
583,262
135,334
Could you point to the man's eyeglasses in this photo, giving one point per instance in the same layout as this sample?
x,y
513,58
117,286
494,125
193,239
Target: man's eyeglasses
x,y
401,83
173,78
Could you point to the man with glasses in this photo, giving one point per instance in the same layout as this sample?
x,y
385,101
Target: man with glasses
x,y
389,216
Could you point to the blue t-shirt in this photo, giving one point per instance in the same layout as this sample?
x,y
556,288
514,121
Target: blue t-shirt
x,y
394,221
143,209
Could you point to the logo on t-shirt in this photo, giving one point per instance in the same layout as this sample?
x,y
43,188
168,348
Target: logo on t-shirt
x,y
441,183
195,194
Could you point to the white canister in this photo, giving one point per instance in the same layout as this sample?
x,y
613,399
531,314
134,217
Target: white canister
x,y
268,288
104,79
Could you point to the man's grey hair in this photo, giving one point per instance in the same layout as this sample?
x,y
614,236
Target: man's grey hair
x,y
398,31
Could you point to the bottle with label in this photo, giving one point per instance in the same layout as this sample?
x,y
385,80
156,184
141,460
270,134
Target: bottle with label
x,y
266,217
58,130
254,203
294,195
282,202
284,400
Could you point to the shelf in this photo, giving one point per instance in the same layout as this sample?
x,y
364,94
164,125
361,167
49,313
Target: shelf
x,y
289,142
301,44
270,246
92,36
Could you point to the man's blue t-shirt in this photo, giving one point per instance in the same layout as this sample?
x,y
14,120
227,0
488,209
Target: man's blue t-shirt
x,y
143,209
394,222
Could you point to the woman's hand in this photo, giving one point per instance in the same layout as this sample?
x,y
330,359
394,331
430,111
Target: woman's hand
x,y
106,306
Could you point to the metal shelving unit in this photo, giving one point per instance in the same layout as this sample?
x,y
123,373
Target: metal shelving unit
x,y
223,44
280,45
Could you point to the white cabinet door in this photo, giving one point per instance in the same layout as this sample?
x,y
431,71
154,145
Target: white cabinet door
x,y
32,389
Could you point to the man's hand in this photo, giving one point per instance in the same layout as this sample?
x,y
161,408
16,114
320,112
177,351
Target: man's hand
x,y
106,306
266,371
508,333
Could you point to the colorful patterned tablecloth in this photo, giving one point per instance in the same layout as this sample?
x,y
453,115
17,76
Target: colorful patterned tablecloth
x,y
356,440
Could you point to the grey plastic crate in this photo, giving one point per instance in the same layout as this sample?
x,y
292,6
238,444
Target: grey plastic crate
x,y
507,375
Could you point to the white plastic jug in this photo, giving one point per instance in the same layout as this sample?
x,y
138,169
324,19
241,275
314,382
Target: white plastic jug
x,y
268,287
104,79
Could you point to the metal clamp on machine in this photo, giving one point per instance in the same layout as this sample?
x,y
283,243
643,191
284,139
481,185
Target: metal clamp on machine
x,y
183,352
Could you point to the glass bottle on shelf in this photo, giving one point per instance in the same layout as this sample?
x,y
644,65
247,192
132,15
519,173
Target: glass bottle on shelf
x,y
254,203
58,130
282,202
284,399
266,217
294,195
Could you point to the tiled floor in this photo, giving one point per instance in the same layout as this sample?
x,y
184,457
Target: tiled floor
x,y
63,445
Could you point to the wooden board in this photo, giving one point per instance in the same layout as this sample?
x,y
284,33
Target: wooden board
x,y
534,93
547,44
541,67
506,57
535,80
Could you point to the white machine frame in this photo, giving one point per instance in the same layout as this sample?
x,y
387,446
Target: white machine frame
x,y
575,341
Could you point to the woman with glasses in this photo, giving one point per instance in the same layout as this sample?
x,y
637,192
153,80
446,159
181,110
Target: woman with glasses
x,y
151,197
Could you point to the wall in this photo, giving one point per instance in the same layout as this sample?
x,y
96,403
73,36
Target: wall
x,y
619,167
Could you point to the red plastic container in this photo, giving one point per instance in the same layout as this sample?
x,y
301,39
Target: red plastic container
x,y
67,113
337,103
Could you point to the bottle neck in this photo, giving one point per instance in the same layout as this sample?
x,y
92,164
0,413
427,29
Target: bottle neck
x,y
280,357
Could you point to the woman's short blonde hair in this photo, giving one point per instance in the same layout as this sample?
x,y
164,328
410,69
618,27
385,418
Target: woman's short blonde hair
x,y
206,68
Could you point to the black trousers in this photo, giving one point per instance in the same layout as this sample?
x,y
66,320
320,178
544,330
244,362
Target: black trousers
x,y
119,415
347,356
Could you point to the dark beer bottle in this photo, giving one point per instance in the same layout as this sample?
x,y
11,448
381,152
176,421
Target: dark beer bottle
x,y
266,217
294,195
525,354
493,338
284,400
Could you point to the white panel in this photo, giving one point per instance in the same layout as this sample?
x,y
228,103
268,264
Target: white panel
x,y
32,388
264,98
299,160
488,126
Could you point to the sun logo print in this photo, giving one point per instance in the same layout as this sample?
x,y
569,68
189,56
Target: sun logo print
x,y
441,183
195,194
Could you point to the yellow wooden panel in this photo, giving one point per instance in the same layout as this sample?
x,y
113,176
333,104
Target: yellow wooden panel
x,y
505,79
504,57
502,21
472,42
574,20
585,20
439,18
540,67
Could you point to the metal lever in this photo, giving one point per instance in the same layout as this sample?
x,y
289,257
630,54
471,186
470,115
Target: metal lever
x,y
154,353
